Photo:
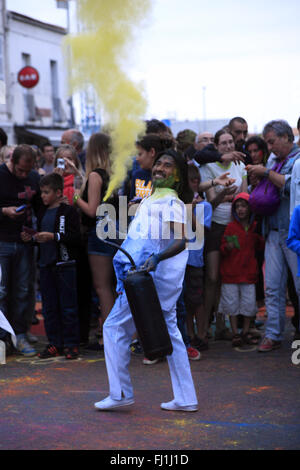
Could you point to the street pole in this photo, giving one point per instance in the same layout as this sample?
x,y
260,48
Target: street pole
x,y
204,107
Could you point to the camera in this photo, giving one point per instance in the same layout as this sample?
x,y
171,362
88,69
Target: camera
x,y
60,163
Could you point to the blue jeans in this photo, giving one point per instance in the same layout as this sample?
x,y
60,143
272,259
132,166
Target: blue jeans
x,y
59,301
278,257
15,260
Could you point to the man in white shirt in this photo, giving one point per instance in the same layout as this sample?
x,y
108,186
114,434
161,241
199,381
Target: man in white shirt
x,y
165,256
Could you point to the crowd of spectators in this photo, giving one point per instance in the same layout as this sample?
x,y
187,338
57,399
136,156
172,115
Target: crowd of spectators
x,y
247,258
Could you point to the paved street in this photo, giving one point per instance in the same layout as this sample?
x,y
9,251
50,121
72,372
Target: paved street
x,y
247,400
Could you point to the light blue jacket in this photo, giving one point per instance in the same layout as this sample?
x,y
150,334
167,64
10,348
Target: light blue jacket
x,y
293,240
295,186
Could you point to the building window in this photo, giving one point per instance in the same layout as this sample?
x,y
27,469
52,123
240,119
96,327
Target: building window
x,y
56,102
1,59
26,59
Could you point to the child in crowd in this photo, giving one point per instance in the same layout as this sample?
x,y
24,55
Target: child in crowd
x,y
193,292
58,238
239,269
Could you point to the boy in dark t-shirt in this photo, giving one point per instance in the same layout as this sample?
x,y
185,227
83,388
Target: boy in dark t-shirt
x,y
58,238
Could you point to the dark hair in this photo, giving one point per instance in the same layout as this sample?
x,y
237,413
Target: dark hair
x,y
46,144
280,128
154,126
3,137
239,119
219,133
261,144
53,180
193,171
155,141
185,139
23,150
298,124
183,189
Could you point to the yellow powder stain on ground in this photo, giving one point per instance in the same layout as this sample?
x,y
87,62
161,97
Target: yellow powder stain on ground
x,y
181,422
231,443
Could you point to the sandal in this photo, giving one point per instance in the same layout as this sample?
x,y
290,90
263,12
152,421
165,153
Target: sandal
x,y
249,339
237,341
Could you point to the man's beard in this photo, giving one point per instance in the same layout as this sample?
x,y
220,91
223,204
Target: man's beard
x,y
165,182
239,146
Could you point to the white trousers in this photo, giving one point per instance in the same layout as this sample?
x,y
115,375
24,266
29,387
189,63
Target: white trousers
x,y
118,330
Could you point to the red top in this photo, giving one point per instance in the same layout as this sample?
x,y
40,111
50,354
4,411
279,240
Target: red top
x,y
69,187
239,265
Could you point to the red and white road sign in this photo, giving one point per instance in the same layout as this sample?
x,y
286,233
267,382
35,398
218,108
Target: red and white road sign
x,y
28,77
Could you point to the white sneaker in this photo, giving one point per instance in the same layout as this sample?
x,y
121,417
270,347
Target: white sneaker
x,y
109,403
172,406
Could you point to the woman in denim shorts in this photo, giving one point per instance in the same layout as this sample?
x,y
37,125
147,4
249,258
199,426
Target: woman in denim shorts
x,y
100,254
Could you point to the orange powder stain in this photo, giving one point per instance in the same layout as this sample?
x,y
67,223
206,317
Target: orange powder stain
x,y
258,390
16,386
228,405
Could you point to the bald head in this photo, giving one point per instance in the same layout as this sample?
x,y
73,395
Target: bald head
x,y
73,137
203,139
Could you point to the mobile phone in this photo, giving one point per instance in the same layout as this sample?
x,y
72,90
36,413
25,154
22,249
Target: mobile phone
x,y
66,264
21,208
29,230
60,163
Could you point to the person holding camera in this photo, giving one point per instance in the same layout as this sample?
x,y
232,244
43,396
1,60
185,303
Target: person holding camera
x,y
67,165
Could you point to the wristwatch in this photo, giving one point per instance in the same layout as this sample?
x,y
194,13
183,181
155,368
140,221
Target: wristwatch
x,y
267,173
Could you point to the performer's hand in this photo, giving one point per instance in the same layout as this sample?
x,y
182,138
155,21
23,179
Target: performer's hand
x,y
151,263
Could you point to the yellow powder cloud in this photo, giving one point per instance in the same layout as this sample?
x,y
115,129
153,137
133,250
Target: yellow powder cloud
x,y
98,57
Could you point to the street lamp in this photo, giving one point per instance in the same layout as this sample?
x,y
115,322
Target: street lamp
x,y
204,107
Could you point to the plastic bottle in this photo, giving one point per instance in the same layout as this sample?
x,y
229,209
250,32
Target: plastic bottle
x,y
2,353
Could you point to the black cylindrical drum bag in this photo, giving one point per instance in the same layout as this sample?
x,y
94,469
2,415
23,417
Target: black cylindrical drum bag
x,y
147,314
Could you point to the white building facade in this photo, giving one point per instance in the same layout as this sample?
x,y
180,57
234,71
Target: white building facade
x,y
43,110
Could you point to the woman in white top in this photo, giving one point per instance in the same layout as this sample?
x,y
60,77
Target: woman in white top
x,y
221,200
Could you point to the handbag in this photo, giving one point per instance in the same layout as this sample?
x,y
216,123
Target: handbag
x,y
265,197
